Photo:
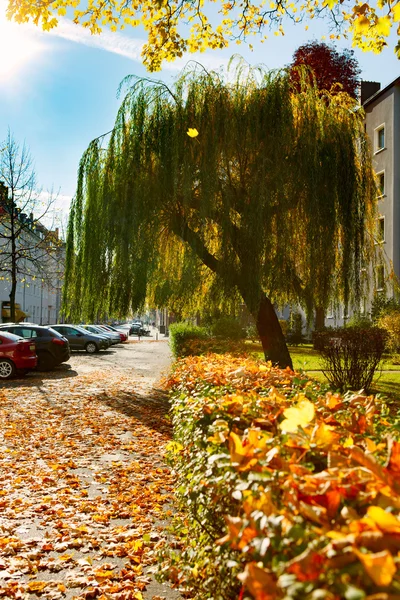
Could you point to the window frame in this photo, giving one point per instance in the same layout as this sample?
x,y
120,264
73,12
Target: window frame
x,y
381,190
379,220
377,132
378,287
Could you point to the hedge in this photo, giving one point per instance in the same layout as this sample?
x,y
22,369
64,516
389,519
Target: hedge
x,y
190,340
285,489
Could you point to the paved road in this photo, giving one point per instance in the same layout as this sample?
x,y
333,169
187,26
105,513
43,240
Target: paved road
x,y
86,487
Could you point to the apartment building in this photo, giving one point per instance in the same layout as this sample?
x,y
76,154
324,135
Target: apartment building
x,y
40,267
382,122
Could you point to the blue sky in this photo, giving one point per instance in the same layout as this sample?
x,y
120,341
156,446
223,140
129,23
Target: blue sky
x,y
58,90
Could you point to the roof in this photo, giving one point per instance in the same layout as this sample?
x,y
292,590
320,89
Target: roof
x,y
380,92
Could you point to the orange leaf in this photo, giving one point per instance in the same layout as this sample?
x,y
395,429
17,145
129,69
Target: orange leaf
x,y
36,586
260,582
380,566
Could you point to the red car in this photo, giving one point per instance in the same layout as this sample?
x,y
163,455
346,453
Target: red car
x,y
16,354
122,335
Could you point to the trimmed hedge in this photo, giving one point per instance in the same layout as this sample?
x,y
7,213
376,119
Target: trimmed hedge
x,y
285,490
190,340
181,336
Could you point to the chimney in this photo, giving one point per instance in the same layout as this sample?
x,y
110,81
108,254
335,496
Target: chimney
x,y
368,89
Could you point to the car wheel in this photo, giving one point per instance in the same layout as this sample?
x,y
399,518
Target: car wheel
x,y
91,348
45,361
7,368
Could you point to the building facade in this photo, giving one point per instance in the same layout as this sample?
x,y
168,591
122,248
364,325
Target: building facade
x,y
382,122
40,268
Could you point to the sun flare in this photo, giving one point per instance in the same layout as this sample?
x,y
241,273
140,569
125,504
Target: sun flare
x,y
18,48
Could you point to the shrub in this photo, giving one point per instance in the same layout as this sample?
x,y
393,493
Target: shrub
x,y
382,306
390,322
181,335
295,329
228,328
252,333
359,321
285,490
351,355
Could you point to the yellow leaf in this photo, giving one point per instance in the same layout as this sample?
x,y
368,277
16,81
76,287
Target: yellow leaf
x,y
101,575
138,596
298,416
361,24
380,566
349,442
242,455
37,586
192,132
384,520
324,435
383,26
396,12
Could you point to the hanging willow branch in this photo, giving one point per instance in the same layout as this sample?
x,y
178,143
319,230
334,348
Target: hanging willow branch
x,y
272,197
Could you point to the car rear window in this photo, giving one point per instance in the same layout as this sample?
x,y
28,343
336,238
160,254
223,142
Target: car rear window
x,y
25,332
53,332
5,335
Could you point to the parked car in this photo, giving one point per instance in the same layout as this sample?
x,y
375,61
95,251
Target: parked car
x,y
52,349
123,336
16,355
138,329
113,337
81,339
124,327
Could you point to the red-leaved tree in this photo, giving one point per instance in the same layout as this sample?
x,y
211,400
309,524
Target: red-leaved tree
x,y
329,67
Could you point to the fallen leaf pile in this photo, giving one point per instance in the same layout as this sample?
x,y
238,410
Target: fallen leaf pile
x,y
84,491
291,491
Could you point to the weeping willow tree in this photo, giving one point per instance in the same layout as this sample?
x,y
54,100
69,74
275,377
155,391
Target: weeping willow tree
x,y
211,192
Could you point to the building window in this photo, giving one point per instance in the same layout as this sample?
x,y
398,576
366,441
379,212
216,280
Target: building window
x,y
379,138
381,184
380,230
380,277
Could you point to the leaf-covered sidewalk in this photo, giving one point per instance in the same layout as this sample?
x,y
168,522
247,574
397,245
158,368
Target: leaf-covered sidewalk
x,y
84,489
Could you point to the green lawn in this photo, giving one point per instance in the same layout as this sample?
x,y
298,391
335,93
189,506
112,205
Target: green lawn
x,y
386,381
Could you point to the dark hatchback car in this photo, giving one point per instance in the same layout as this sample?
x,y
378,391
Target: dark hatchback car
x,y
80,339
52,349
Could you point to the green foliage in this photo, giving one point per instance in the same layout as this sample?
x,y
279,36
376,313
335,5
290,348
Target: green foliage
x,y
360,321
390,322
382,306
180,336
175,220
295,328
228,328
252,333
351,355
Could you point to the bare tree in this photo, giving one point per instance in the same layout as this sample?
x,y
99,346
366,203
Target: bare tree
x,y
27,247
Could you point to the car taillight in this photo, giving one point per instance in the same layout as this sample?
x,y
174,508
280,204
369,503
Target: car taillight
x,y
58,341
25,348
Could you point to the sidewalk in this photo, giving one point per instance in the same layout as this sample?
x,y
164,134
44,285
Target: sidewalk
x,y
85,493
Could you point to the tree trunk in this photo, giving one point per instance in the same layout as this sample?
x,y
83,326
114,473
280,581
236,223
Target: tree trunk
x,y
271,335
319,323
13,267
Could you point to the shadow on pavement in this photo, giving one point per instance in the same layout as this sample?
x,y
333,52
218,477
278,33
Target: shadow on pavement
x,y
82,353
151,409
35,378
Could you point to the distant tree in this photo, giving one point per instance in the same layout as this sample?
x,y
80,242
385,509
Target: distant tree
x,y
210,191
333,71
27,247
